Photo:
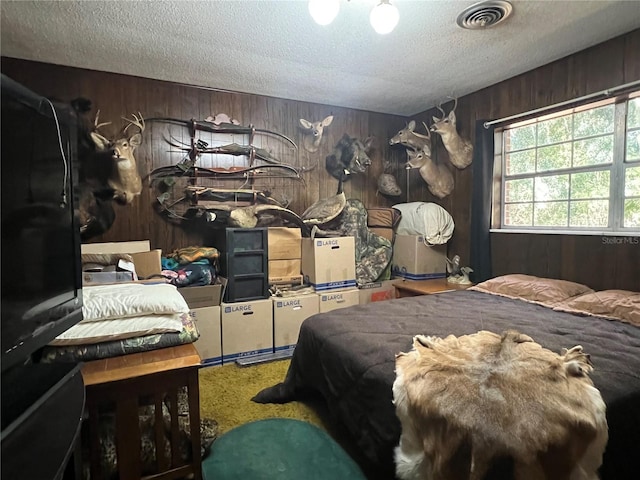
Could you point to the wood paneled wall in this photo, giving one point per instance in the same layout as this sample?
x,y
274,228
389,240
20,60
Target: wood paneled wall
x,y
598,262
609,262
119,95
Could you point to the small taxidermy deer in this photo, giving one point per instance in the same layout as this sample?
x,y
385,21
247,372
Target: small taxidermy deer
x,y
438,177
410,138
314,132
460,150
124,178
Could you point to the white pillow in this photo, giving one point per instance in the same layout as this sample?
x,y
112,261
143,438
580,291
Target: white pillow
x,y
104,302
107,330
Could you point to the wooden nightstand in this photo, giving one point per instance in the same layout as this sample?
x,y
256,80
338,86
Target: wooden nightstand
x,y
125,383
411,288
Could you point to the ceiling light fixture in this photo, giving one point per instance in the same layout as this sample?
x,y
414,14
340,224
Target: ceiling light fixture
x,y
384,17
324,11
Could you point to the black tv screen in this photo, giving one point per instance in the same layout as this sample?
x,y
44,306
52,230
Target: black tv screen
x,y
41,270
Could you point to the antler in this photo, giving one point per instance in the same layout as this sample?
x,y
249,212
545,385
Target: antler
x,y
97,125
455,103
138,121
439,107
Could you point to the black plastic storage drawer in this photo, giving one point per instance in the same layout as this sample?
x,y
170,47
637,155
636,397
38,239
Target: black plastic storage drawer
x,y
244,262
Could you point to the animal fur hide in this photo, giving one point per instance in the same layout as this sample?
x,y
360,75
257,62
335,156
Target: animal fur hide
x,y
467,403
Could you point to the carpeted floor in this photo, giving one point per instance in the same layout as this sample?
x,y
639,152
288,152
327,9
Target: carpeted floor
x,y
226,392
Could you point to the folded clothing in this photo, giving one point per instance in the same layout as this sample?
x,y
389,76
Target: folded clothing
x,y
193,254
192,274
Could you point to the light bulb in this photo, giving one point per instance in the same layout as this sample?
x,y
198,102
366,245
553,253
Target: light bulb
x,y
384,17
324,11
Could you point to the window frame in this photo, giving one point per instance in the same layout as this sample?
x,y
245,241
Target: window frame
x,y
617,169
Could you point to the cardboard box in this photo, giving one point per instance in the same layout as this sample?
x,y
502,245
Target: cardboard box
x,y
293,280
209,345
284,268
148,264
205,295
334,300
283,243
414,260
89,278
247,329
329,263
288,315
116,247
377,291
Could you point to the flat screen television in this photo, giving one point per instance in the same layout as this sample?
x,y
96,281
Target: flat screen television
x,y
40,240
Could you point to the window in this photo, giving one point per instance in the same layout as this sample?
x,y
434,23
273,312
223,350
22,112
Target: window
x,y
576,170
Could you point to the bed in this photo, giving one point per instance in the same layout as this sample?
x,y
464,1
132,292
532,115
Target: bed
x,y
348,356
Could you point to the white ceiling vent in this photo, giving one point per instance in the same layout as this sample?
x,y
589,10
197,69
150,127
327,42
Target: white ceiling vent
x,y
484,14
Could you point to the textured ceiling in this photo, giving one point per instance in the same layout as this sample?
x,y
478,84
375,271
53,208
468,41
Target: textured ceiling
x,y
274,48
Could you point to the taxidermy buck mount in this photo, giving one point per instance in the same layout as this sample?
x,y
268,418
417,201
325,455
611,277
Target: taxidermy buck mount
x,y
95,198
124,178
313,133
460,150
350,156
438,177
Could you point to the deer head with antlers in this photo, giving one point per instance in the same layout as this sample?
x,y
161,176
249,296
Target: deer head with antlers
x,y
313,131
460,150
124,178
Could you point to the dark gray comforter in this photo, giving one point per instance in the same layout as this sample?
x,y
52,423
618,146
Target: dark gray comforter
x,y
348,357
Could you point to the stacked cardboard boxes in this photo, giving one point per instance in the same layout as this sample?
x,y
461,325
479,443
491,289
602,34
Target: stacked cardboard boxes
x,y
247,329
284,251
229,331
288,314
329,265
377,291
204,308
146,262
332,300
414,259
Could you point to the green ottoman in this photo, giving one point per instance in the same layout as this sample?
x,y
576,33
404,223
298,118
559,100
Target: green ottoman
x,y
278,448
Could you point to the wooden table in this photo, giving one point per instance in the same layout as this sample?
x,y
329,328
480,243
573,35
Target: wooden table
x,y
123,384
411,288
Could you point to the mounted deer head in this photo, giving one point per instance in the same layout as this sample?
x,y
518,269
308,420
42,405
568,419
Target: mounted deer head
x,y
460,150
313,133
438,177
410,138
124,179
